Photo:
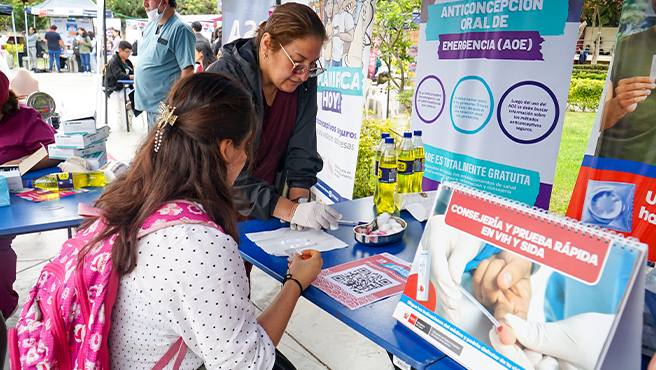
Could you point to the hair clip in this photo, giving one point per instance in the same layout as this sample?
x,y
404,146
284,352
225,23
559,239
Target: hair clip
x,y
165,121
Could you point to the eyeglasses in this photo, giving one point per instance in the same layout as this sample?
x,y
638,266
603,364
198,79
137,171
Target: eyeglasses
x,y
300,68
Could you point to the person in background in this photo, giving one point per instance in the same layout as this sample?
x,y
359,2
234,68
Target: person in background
x,y
166,54
22,132
93,56
116,39
216,42
85,50
205,299
120,68
582,55
204,56
55,43
197,27
279,68
31,47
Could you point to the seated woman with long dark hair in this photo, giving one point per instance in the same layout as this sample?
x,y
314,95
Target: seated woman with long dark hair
x,y
187,280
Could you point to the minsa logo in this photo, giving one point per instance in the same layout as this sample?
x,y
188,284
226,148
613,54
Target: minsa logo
x,y
331,100
413,319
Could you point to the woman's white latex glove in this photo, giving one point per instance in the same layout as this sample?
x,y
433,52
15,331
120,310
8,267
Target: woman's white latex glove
x,y
575,342
451,250
314,215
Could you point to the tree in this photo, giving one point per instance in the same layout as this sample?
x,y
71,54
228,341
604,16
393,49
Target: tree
x,y
393,22
134,9
599,13
189,7
126,9
19,15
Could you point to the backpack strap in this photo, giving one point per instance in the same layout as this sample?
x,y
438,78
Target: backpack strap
x,y
178,349
86,210
177,212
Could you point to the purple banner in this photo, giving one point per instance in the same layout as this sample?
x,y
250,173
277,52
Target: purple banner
x,y
331,100
506,45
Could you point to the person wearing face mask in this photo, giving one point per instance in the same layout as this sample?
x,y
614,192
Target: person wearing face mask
x,y
279,67
166,54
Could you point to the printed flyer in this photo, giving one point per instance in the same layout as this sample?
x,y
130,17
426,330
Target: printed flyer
x,y
340,95
491,91
359,283
615,188
498,285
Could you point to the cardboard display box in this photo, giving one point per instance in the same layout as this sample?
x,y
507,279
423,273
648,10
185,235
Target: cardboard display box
x,y
80,141
13,173
64,153
96,160
83,125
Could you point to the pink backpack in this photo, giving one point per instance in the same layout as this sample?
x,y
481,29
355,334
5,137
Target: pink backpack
x,y
61,329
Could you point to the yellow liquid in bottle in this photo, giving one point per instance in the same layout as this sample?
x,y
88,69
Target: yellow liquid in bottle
x,y
419,170
387,174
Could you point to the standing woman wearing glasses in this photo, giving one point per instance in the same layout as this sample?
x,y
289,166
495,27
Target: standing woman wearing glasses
x,y
279,67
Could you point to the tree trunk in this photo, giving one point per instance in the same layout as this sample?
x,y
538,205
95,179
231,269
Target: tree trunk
x,y
582,26
597,37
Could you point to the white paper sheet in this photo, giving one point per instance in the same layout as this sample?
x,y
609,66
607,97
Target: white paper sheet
x,y
272,241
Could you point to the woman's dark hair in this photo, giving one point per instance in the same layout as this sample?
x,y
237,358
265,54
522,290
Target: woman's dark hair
x,y
11,105
291,21
208,56
92,35
210,108
84,32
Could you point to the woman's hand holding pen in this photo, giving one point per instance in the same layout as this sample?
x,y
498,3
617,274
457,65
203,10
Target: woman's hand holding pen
x,y
306,266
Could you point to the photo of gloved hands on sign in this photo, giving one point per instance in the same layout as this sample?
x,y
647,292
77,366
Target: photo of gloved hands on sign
x,y
531,314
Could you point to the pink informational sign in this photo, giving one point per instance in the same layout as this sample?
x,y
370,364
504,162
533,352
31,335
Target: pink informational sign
x,y
359,283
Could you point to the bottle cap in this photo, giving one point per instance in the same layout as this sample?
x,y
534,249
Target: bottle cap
x,y
389,140
407,134
384,135
417,132
29,183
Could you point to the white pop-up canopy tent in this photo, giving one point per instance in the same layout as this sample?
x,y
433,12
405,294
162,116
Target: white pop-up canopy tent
x,y
9,10
64,8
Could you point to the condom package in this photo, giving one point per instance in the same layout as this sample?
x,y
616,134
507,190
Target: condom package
x,y
609,204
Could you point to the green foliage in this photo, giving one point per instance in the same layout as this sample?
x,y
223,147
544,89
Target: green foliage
x,y
19,15
602,12
391,32
584,94
591,67
134,9
126,9
592,75
365,178
189,7
576,133
405,98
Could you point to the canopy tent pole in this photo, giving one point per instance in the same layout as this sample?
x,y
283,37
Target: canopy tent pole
x,y
13,22
102,55
27,34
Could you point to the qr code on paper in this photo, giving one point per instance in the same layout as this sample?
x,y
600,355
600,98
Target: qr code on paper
x,y
362,281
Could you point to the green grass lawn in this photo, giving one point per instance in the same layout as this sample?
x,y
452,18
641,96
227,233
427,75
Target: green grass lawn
x,y
576,134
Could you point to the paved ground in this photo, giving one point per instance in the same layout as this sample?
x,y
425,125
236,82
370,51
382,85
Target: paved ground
x,y
313,340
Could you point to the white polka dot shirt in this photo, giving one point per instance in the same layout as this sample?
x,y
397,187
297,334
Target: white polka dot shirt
x,y
189,281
